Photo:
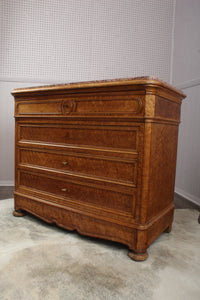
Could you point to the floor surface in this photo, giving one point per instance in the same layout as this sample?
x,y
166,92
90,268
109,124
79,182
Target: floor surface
x,y
40,261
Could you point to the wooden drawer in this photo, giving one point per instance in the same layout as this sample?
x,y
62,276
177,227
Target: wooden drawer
x,y
114,137
81,104
80,192
99,165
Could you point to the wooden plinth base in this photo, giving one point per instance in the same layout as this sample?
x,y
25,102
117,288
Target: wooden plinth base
x,y
138,256
18,213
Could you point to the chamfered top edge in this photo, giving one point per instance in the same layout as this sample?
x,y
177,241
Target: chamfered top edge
x,y
144,80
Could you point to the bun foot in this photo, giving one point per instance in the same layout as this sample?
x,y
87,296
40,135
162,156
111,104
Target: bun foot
x,y
138,256
18,213
168,229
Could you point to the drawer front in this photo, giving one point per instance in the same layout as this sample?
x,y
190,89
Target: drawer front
x,y
83,104
105,104
91,195
38,107
96,136
102,166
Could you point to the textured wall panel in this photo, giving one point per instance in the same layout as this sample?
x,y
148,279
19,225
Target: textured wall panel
x,y
75,40
187,42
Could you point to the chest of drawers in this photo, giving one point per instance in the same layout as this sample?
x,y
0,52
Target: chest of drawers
x,y
99,157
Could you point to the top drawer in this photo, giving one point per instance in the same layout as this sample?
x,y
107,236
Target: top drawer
x,y
82,105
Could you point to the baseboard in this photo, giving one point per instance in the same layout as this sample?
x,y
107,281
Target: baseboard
x,y
7,183
187,196
181,201
6,192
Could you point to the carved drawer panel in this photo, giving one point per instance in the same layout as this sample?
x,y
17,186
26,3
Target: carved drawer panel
x,y
101,166
96,136
104,104
38,107
86,105
122,200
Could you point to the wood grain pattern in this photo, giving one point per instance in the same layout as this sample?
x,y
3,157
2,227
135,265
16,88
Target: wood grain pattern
x,y
120,169
75,191
162,174
39,108
71,220
92,104
99,158
98,136
167,108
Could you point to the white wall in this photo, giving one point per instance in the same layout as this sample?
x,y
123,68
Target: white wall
x,y
7,131
65,40
186,75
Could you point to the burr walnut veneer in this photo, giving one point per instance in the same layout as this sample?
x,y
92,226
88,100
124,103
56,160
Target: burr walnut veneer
x,y
99,157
